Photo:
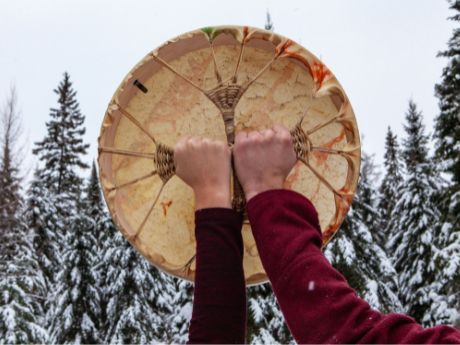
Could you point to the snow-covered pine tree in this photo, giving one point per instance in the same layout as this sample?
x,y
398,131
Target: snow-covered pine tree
x,y
42,220
447,135
62,148
22,289
103,230
389,186
355,253
447,123
21,282
94,206
368,195
10,196
76,309
138,304
60,155
414,239
45,226
266,324
179,293
106,230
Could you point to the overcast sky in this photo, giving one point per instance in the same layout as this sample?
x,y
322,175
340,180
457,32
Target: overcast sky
x,y
382,52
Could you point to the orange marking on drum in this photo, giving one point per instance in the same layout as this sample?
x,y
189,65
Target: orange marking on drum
x,y
347,196
165,205
301,59
342,205
282,47
320,73
328,233
245,31
321,157
293,176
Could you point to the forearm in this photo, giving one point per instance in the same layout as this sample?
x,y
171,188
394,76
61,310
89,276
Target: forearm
x,y
219,304
316,300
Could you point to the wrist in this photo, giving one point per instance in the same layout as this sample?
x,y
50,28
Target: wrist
x,y
252,190
212,197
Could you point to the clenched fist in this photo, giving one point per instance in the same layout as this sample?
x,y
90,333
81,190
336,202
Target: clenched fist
x,y
204,164
263,159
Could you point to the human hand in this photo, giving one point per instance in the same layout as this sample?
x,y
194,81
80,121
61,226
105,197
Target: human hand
x,y
204,164
264,159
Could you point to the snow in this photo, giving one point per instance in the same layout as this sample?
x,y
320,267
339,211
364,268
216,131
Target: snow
x,y
94,282
257,309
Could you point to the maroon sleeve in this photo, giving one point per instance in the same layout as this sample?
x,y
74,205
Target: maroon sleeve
x,y
219,301
315,299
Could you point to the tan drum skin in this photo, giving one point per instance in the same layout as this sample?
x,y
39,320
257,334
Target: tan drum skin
x,y
214,82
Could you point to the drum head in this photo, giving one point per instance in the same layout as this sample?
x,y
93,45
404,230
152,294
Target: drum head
x,y
214,82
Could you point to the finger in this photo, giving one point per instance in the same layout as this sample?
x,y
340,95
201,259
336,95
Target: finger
x,y
182,140
241,137
282,133
268,133
216,145
193,138
279,128
194,141
207,141
180,147
254,135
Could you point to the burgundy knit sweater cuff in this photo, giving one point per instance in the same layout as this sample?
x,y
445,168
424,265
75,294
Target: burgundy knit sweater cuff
x,y
219,304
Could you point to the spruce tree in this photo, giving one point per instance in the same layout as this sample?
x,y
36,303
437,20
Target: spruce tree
x,y
179,292
10,180
62,148
77,313
22,289
103,231
447,135
21,282
266,324
136,300
41,218
355,253
389,186
414,239
76,308
94,206
56,197
45,227
447,123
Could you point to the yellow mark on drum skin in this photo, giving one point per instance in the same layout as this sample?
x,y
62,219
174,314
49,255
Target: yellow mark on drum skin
x,y
165,205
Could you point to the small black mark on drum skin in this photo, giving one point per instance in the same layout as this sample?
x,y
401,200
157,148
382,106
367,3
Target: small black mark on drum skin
x,y
140,86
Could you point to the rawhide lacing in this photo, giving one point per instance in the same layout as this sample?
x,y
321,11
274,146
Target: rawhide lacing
x,y
302,144
164,162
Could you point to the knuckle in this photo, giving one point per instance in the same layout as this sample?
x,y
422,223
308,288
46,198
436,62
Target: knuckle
x,y
254,135
179,148
285,136
268,133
